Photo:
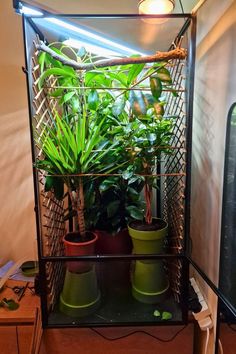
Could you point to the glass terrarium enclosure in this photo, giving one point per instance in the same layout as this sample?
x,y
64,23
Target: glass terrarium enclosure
x,y
110,100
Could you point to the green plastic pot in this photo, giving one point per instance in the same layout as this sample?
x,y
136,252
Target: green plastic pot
x,y
80,295
149,282
148,277
148,242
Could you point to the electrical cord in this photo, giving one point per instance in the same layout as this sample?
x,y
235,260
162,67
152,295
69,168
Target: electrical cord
x,y
232,328
220,347
207,340
142,332
17,340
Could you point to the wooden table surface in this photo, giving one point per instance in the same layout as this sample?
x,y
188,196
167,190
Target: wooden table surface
x,y
28,304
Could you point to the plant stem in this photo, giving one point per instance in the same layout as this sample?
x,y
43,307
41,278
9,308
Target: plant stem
x,y
80,196
74,207
148,200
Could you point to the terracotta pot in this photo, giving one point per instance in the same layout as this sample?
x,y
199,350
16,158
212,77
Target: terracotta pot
x,y
73,247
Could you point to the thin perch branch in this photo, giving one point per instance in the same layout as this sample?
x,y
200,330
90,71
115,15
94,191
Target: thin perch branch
x,y
177,53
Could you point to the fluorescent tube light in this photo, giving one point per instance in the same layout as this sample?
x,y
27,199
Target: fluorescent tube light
x,y
99,39
95,49
29,11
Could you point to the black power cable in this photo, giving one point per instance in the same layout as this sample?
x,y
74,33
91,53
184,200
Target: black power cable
x,y
231,327
142,332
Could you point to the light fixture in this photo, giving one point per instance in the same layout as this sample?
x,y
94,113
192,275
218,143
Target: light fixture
x,y
115,47
30,11
97,44
156,7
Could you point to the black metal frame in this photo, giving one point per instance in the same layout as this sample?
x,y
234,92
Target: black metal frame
x,y
190,21
186,256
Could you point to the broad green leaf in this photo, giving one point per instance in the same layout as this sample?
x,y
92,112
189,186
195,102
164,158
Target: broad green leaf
x,y
133,179
50,61
132,193
137,103
159,108
90,75
118,106
151,137
127,174
135,212
106,184
75,104
119,77
93,100
166,315
48,183
157,313
134,72
10,304
156,87
68,96
164,75
81,52
42,57
113,208
56,93
54,71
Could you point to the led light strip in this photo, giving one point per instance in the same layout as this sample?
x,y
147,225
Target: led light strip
x,y
118,48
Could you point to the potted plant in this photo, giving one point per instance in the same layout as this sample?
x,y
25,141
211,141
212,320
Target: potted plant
x,y
75,149
101,132
147,134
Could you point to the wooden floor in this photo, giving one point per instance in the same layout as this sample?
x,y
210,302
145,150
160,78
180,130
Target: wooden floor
x,y
86,341
228,338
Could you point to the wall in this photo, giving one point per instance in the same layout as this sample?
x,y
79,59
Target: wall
x,y
215,91
17,223
215,87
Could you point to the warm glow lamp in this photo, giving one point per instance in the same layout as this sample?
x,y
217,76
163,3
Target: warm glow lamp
x,y
156,7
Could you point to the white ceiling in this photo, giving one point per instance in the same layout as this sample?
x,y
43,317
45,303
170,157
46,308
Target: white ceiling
x,y
103,6
135,33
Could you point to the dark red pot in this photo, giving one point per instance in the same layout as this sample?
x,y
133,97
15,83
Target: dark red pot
x,y
114,275
119,243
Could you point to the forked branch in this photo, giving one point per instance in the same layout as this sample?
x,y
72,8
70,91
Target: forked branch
x,y
177,53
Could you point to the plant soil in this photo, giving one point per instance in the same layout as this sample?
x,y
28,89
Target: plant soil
x,y
157,224
76,238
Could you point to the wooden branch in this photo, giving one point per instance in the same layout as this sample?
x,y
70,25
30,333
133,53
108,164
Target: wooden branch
x,y
179,174
177,53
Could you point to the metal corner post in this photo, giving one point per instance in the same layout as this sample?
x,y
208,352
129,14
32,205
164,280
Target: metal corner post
x,y
189,126
42,268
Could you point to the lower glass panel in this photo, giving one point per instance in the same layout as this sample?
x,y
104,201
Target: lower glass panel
x,y
113,293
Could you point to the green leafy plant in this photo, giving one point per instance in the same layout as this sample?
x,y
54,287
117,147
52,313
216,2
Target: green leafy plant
x,y
108,123
120,201
72,150
164,316
9,304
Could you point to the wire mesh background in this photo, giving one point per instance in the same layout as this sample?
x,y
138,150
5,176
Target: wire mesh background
x,y
51,209
53,226
173,187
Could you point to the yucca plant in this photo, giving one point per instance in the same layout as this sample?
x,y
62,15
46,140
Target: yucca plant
x,y
72,150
